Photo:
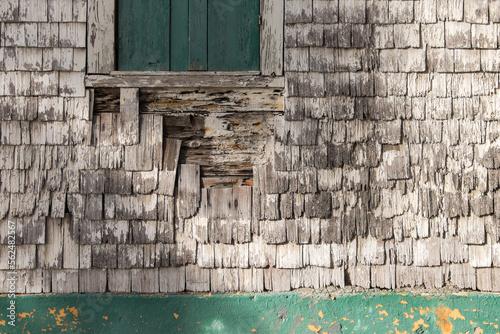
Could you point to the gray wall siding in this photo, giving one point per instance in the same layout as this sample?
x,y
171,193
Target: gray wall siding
x,y
381,172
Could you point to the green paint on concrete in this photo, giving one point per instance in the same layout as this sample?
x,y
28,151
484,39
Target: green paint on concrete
x,y
255,313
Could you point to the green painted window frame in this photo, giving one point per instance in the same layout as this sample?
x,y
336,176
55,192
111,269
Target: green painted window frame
x,y
101,51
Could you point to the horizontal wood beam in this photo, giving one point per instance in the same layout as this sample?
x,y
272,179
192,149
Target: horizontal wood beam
x,y
196,100
184,80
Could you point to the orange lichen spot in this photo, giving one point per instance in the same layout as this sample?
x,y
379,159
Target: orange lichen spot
x,y
472,322
24,315
411,316
404,302
381,319
398,332
417,324
379,305
456,314
474,310
74,311
479,330
446,326
496,326
301,319
383,312
345,319
2,322
320,314
396,322
443,313
105,317
427,309
254,330
314,329
176,315
59,317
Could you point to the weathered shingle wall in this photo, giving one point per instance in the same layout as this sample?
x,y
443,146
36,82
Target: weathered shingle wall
x,y
382,171
392,109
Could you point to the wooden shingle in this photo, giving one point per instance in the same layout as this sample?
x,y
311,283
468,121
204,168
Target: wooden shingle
x,y
188,191
50,254
71,238
92,281
145,280
197,279
65,281
119,280
172,279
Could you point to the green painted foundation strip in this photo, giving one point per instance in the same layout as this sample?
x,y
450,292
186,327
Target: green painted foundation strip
x,y
254,313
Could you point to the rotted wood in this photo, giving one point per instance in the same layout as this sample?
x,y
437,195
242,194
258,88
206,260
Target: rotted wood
x,y
226,181
199,100
212,99
107,100
222,144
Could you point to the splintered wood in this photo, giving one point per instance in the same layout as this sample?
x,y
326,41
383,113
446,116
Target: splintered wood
x,y
224,131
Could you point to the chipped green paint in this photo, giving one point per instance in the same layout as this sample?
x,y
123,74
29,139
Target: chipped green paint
x,y
256,313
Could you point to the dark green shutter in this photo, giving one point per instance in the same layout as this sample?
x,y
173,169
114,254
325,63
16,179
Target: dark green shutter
x,y
198,38
179,36
188,35
233,35
144,35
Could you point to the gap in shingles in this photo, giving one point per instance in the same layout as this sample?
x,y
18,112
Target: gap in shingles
x,y
225,144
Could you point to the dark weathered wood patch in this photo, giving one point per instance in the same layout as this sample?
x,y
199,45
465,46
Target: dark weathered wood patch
x,y
224,145
195,99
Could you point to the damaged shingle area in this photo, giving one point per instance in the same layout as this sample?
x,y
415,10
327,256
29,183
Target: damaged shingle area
x,y
379,170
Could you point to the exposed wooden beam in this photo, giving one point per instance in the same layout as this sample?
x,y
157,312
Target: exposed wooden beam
x,y
188,81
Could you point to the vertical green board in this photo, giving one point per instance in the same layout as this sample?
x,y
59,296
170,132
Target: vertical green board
x,y
198,35
179,35
143,35
233,35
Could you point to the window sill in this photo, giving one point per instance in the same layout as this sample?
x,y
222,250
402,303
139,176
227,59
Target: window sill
x,y
184,79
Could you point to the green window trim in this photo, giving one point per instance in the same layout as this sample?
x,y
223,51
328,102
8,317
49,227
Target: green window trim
x,y
102,44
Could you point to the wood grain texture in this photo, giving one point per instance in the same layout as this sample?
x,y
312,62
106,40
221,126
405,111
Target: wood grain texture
x,y
195,100
189,194
129,116
101,36
271,38
183,80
